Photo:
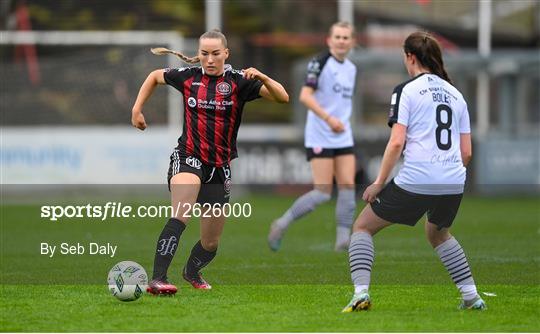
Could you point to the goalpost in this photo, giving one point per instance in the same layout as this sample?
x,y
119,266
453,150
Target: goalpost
x,y
85,39
73,126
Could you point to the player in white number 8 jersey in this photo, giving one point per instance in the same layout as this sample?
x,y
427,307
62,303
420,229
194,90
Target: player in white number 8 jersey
x,y
435,115
430,115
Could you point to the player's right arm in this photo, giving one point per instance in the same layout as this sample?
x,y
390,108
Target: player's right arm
x,y
154,78
308,99
307,94
390,158
465,146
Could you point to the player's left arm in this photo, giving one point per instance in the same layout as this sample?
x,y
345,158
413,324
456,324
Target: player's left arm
x,y
270,89
391,156
465,142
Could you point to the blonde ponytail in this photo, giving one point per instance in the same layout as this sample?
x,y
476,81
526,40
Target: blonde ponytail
x,y
163,51
215,33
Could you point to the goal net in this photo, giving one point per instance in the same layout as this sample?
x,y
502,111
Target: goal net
x,y
83,78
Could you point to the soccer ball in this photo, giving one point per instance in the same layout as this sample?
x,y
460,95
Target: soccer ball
x,y
127,281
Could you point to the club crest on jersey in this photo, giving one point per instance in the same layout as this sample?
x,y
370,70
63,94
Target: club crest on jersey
x,y
224,88
192,102
193,162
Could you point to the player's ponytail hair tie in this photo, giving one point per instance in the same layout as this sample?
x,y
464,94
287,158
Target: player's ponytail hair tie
x,y
163,51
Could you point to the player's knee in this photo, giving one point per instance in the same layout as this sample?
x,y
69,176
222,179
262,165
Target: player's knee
x,y
361,225
358,228
210,245
436,237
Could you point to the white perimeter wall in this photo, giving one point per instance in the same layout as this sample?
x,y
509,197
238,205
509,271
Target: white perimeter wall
x,y
124,155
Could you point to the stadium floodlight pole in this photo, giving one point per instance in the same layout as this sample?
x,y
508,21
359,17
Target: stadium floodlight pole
x,y
484,49
213,14
346,11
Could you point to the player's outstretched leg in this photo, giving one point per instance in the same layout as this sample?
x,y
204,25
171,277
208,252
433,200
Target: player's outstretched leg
x,y
165,250
454,259
345,207
198,259
302,206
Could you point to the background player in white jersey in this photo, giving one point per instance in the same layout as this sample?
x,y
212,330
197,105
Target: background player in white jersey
x,y
431,116
327,93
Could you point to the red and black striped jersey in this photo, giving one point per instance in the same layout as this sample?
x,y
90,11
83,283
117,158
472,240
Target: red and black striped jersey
x,y
212,111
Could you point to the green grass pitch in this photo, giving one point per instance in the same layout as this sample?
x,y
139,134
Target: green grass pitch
x,y
303,287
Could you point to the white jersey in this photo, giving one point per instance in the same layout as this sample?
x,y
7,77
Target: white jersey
x,y
333,82
435,115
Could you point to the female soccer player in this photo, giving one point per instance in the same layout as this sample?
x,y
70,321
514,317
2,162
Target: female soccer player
x,y
214,95
327,93
430,116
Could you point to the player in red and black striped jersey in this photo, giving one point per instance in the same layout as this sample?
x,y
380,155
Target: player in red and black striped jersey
x,y
212,111
214,96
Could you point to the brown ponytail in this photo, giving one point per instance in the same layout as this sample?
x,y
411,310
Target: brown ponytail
x,y
428,52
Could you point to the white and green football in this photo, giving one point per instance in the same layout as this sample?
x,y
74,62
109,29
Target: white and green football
x,y
127,281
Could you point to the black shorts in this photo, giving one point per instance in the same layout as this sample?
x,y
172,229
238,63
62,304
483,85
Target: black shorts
x,y
400,206
215,181
319,152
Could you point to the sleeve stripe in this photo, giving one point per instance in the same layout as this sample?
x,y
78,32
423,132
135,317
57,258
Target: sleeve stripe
x,y
394,105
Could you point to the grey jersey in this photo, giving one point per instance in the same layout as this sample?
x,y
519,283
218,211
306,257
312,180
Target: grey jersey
x,y
333,82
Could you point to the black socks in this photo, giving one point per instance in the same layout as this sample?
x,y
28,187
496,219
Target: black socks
x,y
166,247
198,259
